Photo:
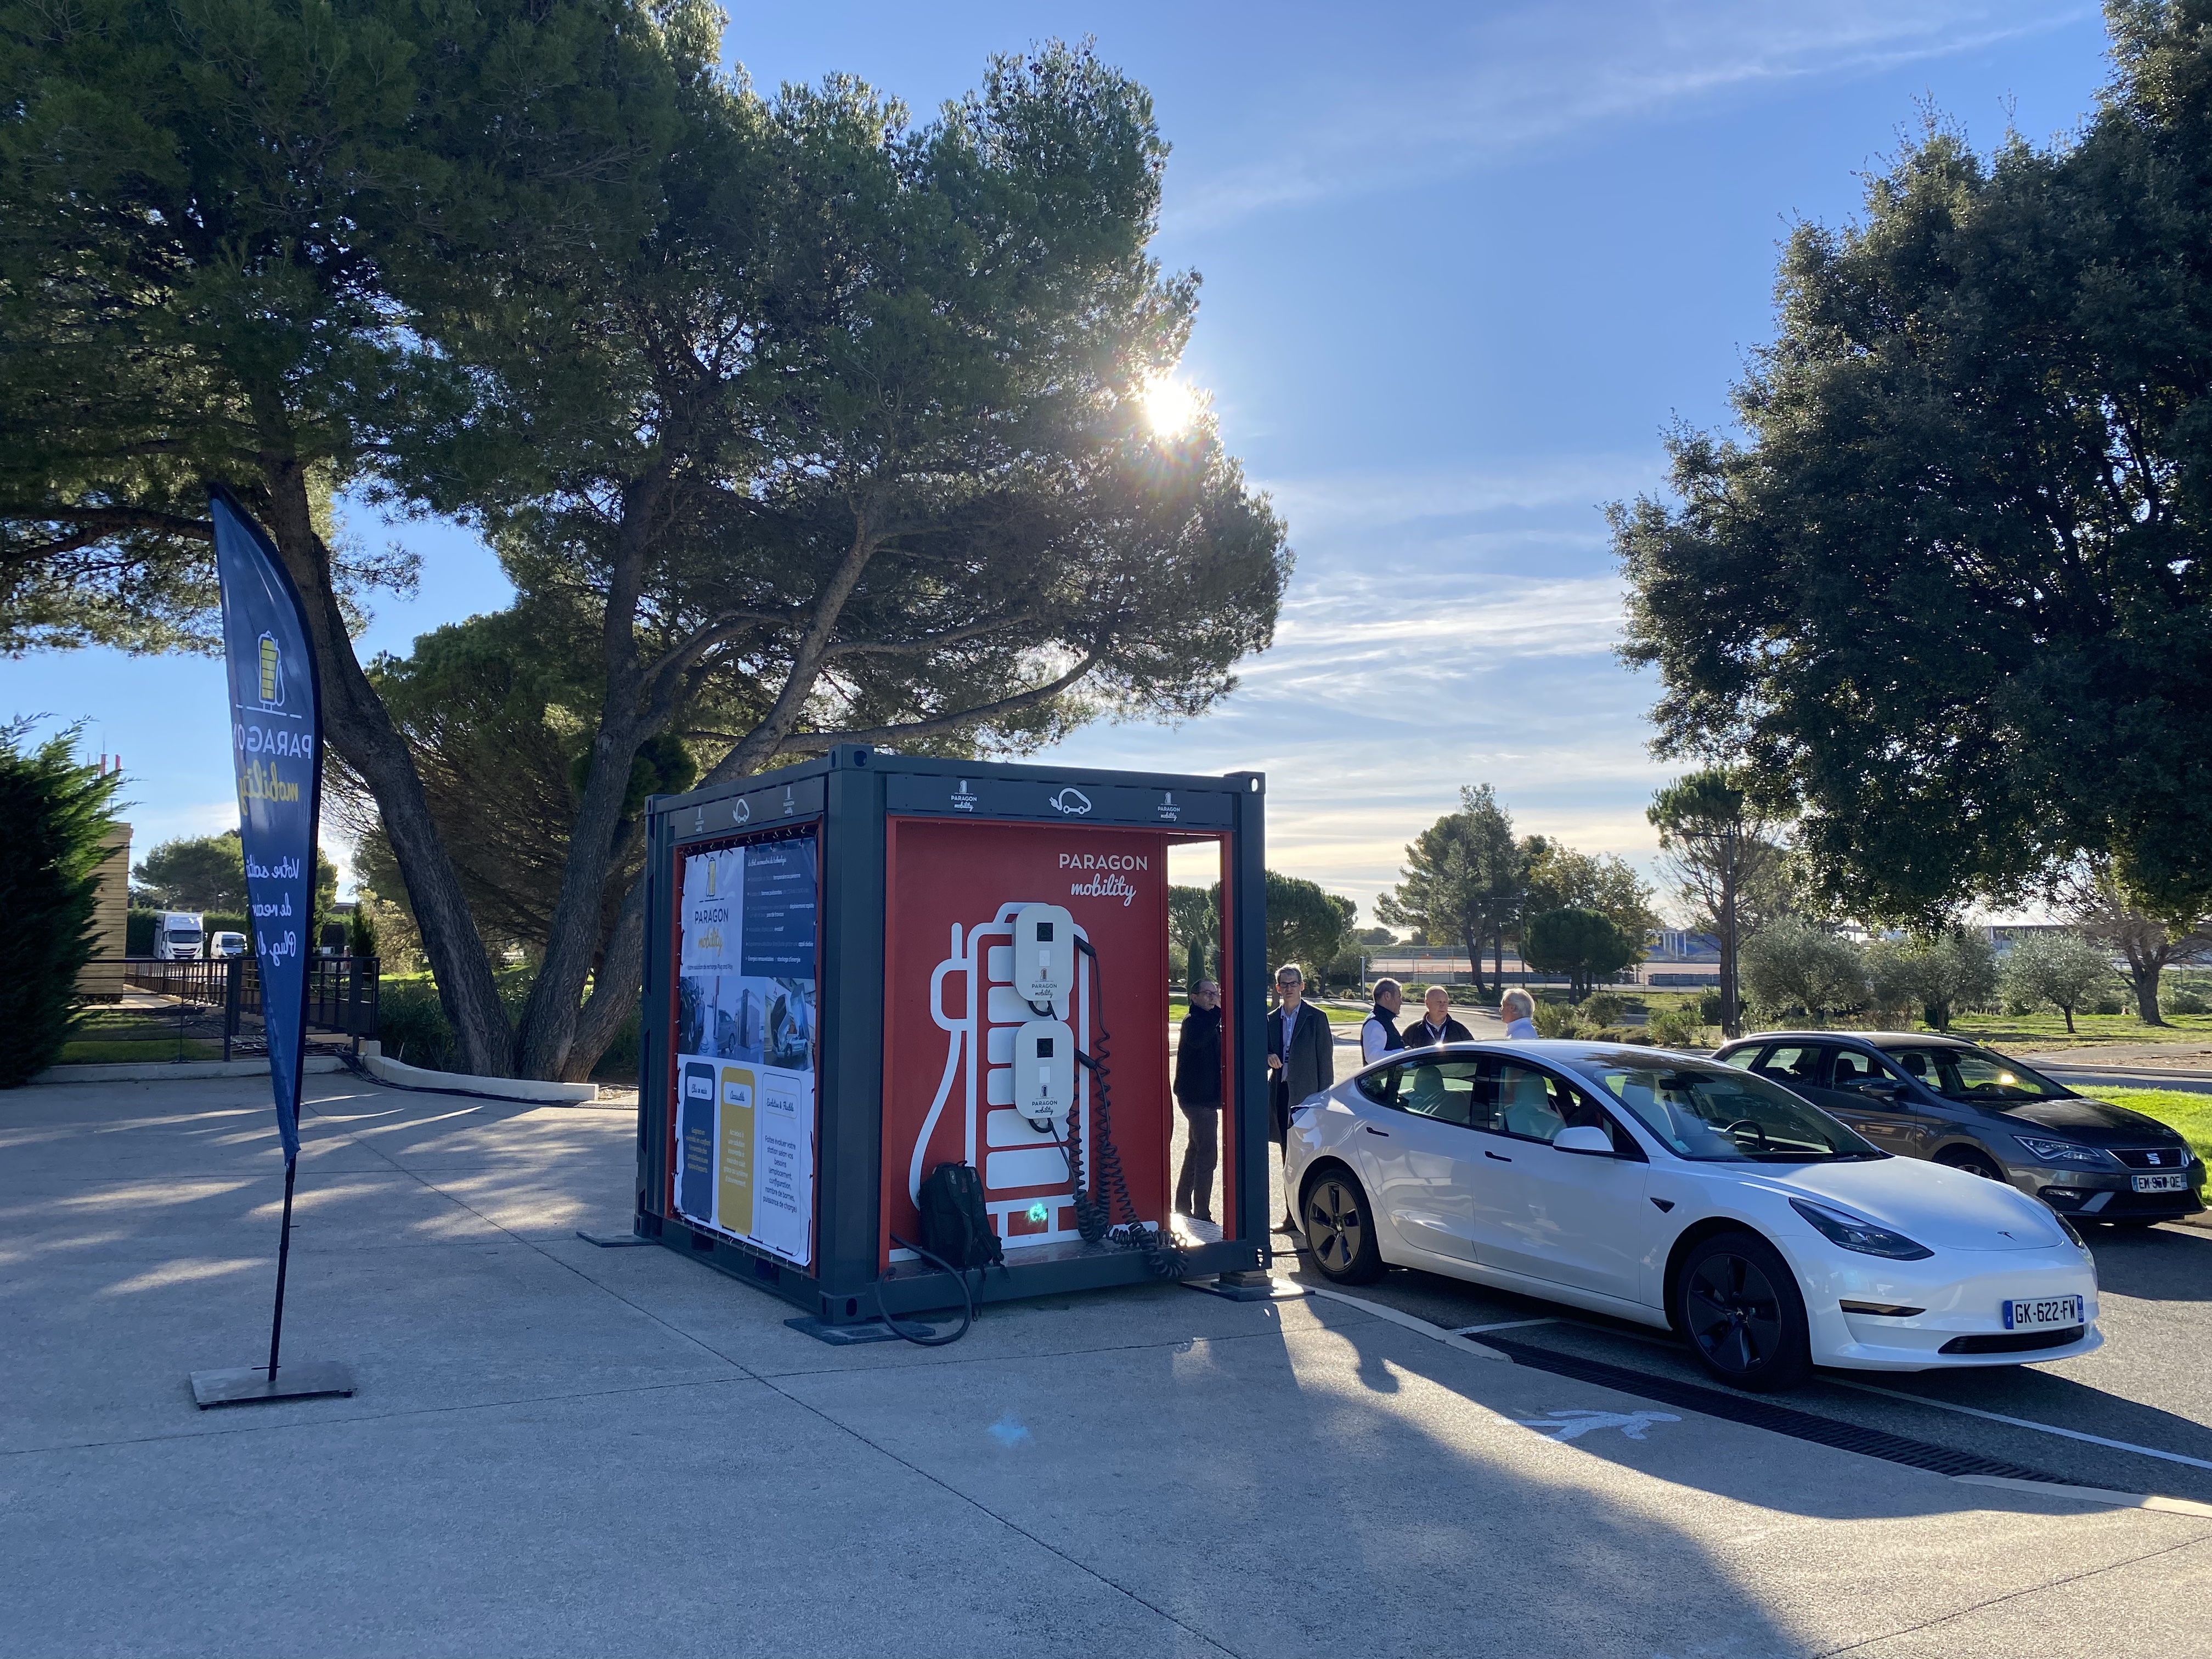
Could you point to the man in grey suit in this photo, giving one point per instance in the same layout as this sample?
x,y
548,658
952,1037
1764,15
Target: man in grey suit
x,y
1301,1050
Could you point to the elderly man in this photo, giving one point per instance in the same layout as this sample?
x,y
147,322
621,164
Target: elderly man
x,y
1518,1009
1379,1036
1436,1023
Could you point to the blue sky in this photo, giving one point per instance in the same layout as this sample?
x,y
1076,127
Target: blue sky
x,y
1463,265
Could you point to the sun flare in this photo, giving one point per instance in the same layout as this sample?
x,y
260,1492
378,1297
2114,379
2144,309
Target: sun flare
x,y
1170,407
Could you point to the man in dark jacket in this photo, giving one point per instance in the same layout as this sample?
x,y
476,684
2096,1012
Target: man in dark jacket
x,y
1437,1026
1198,1091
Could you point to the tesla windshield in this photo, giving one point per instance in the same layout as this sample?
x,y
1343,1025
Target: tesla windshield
x,y
1721,1116
1974,1074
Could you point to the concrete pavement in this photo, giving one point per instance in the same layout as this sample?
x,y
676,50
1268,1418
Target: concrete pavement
x,y
560,1449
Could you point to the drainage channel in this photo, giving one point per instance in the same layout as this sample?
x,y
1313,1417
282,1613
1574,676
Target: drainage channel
x,y
1762,1414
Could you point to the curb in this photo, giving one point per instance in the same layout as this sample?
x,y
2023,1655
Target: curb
x,y
498,1088
178,1071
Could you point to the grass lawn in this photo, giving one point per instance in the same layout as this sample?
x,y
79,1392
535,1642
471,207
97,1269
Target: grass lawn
x,y
2042,1031
97,1052
2188,1113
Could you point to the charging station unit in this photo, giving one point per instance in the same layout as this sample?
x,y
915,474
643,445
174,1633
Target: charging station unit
x,y
866,965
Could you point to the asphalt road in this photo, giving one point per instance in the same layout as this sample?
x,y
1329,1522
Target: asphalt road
x,y
2148,1387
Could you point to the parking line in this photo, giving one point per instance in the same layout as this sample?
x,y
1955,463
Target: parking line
x,y
2022,1423
2122,1500
1505,1325
1438,1333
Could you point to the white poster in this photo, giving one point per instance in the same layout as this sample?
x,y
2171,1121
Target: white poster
x,y
746,1028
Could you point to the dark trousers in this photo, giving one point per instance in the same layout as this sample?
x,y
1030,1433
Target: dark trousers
x,y
1200,1155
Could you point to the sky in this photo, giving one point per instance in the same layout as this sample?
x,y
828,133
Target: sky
x,y
1463,266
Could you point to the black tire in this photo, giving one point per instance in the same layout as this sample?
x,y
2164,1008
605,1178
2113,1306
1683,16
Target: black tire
x,y
1974,1163
1736,1301
1339,1228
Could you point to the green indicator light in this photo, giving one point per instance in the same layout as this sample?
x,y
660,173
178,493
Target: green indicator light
x,y
1038,1213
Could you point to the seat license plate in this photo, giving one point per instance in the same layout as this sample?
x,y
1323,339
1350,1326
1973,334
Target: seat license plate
x,y
2043,1313
2166,1183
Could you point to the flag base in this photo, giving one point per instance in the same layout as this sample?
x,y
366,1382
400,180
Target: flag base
x,y
243,1388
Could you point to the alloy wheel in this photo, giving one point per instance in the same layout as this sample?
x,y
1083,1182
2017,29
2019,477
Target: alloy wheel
x,y
1334,1226
1733,1312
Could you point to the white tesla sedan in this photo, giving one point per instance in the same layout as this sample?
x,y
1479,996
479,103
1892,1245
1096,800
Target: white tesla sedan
x,y
1680,1193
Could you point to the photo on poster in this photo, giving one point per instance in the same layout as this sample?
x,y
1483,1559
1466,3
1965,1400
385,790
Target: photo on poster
x,y
746,1028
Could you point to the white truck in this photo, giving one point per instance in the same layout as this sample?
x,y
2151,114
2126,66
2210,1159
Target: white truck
x,y
177,936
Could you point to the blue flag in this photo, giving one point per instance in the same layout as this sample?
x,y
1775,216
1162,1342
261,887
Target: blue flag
x,y
277,741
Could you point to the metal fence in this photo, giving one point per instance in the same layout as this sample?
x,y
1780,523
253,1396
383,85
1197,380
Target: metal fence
x,y
203,1010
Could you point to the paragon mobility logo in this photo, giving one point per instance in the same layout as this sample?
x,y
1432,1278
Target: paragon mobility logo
x,y
1109,874
272,673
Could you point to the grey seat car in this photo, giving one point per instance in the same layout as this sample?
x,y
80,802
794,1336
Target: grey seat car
x,y
1958,1103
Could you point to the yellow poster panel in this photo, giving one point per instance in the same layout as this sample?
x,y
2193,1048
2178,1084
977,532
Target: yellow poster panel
x,y
734,1200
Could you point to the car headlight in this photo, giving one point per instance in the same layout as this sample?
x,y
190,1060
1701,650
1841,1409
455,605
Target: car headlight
x,y
2067,1227
2066,1151
1863,1236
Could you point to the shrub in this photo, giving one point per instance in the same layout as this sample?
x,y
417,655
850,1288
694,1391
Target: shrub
x,y
411,1026
1679,1026
1602,1008
1557,1019
2183,1002
2108,1005
1709,1007
54,819
1793,964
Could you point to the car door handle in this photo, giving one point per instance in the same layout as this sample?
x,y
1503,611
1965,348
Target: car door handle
x,y
1500,1157
1372,1130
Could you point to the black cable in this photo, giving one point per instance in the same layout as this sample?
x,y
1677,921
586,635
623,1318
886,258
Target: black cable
x,y
967,1301
1162,1254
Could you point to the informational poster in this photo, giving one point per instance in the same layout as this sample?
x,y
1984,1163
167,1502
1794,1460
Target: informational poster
x,y
745,1027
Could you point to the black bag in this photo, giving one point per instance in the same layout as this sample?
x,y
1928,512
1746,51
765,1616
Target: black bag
x,y
955,1225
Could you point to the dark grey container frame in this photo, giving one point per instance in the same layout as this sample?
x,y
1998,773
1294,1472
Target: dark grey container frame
x,y
844,792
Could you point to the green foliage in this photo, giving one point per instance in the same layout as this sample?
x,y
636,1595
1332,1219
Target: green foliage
x,y
1556,1019
361,931
1734,879
1794,966
140,928
194,873
1582,943
2062,970
1195,923
1193,966
1465,878
2180,1002
1602,1008
1305,924
1934,974
54,817
1949,598
1677,1025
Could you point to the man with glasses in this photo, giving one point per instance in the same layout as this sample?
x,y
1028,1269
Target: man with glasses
x,y
1301,1050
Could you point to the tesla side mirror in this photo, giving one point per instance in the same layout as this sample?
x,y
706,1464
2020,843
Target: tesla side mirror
x,y
1584,1138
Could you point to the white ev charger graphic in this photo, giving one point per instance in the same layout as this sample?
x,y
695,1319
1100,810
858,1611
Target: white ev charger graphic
x,y
1010,1057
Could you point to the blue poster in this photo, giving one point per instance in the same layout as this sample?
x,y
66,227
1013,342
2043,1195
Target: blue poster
x,y
275,731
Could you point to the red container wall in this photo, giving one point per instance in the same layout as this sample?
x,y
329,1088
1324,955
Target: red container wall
x,y
948,874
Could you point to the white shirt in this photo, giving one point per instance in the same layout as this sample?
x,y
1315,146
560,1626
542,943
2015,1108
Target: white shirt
x,y
1521,1028
1290,1018
1374,1041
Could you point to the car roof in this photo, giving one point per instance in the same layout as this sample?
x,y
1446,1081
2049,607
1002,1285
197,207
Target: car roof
x,y
1875,1039
1555,1049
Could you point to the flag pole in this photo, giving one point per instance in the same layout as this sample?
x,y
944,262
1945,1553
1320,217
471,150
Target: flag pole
x,y
284,1258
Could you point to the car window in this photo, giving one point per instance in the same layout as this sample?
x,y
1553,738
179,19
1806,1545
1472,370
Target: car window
x,y
1448,1090
1978,1075
1792,1065
1741,1058
1852,1065
1535,1105
1380,1085
1713,1115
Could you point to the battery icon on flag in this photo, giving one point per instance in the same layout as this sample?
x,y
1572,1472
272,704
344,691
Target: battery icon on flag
x,y
272,682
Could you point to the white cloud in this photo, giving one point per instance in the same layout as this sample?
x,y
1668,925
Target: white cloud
x,y
1541,74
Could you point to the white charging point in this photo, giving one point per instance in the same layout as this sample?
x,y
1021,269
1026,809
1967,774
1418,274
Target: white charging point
x,y
1044,957
1045,1073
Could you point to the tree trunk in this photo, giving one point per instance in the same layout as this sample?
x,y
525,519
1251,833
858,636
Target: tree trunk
x,y
1731,1006
360,729
2143,977
1472,939
2067,1009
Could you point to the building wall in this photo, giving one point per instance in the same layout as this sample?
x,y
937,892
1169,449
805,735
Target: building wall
x,y
100,979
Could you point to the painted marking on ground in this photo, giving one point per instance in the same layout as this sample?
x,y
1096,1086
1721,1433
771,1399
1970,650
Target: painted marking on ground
x,y
1574,1424
1436,1333
1502,1325
2123,1500
2023,1423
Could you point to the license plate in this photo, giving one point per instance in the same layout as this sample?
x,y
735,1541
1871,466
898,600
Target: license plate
x,y
2168,1183
2043,1313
